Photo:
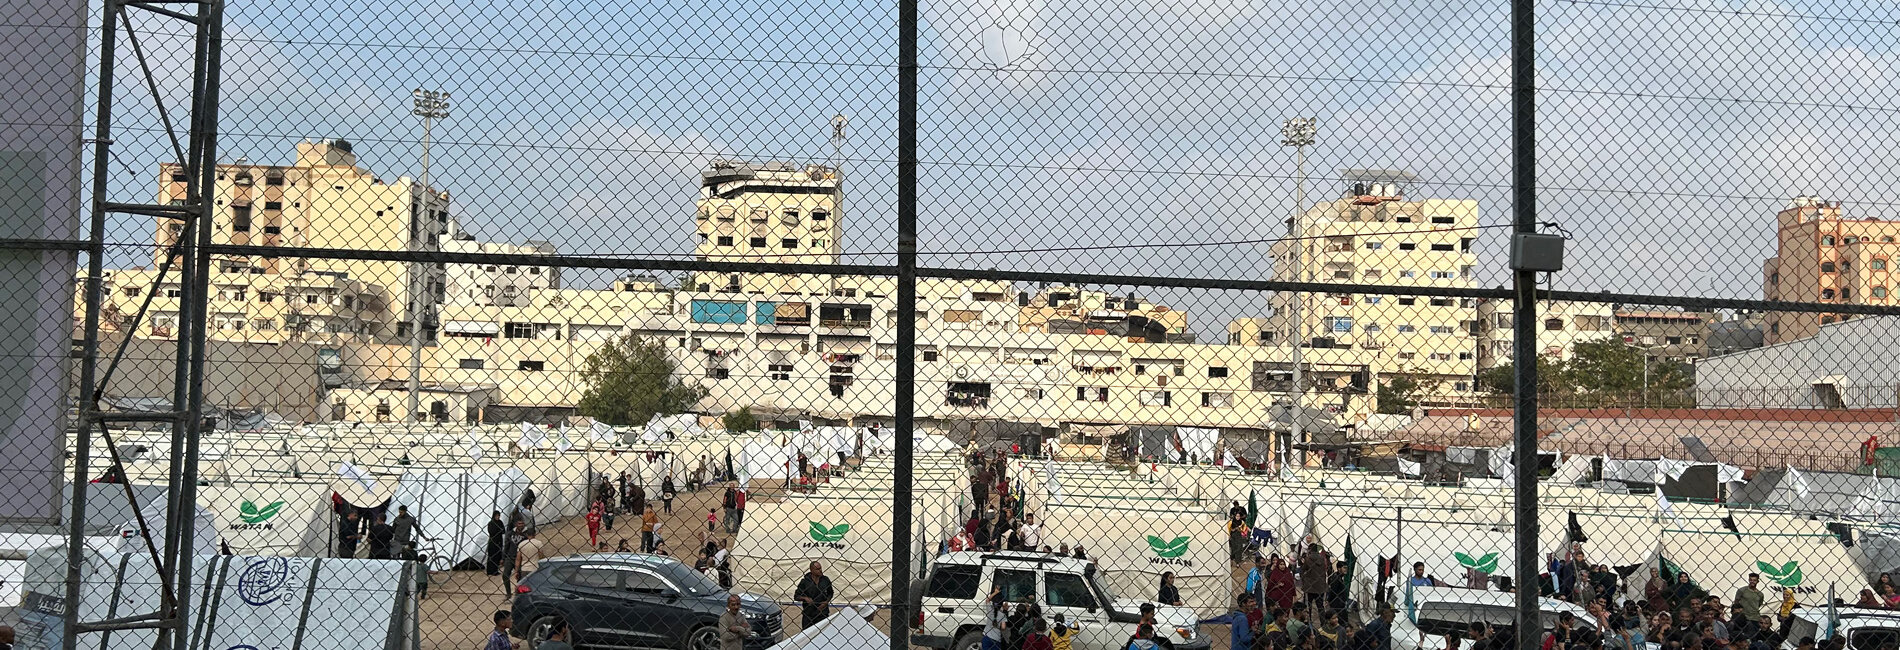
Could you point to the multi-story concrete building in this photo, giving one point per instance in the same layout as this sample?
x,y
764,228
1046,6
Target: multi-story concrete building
x,y
311,306
1822,257
324,200
1561,326
496,284
1375,234
1662,335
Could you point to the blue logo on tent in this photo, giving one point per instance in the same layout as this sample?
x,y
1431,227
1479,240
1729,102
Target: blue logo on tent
x,y
262,581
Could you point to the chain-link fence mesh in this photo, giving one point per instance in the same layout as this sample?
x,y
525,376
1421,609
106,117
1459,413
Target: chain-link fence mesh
x,y
485,324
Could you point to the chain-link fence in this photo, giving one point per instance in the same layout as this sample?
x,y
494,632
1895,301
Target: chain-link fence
x,y
1000,325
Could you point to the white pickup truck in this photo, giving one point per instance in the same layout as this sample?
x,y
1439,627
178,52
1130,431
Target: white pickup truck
x,y
951,609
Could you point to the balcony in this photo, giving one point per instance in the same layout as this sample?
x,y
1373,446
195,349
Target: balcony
x,y
835,323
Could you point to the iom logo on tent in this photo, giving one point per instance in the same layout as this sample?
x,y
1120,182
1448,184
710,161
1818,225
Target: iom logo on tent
x,y
1786,575
1169,551
827,536
264,581
1486,564
254,516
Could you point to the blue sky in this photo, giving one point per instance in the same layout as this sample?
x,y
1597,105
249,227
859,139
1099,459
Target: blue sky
x,y
1671,131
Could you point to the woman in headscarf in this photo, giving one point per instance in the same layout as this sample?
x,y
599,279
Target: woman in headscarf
x,y
1281,589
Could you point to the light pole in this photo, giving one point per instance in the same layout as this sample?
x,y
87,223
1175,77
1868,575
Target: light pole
x,y
1298,133
430,105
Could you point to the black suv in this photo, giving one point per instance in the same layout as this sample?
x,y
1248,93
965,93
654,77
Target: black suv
x,y
631,600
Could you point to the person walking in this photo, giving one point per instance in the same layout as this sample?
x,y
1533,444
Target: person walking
x,y
814,596
667,493
380,536
404,527
409,554
636,498
649,529
733,627
349,531
528,557
731,505
498,637
497,536
510,548
1237,533
593,518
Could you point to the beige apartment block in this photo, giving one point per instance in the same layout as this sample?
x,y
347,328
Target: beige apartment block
x,y
1375,234
1561,325
1822,256
324,199
309,306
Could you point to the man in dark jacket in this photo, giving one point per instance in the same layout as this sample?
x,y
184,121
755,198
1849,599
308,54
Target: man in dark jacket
x,y
814,596
349,531
380,537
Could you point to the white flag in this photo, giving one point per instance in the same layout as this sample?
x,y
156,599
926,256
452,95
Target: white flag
x,y
360,476
474,445
532,437
1798,482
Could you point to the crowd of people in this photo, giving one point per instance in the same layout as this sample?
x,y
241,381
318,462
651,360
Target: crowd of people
x,y
1000,521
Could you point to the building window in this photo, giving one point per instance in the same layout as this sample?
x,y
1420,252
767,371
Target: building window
x,y
1216,372
1441,356
471,364
1217,400
1442,247
1408,301
1461,386
1375,245
1827,294
1880,292
1032,394
788,242
724,240
1407,355
1441,219
1464,356
530,366
1408,246
1441,275
780,371
1774,328
818,243
756,242
1155,398
1440,302
1408,273
1827,319
1407,329
1827,240
1672,340
1091,394
820,215
1373,300
1827,267
1441,329
240,218
1879,264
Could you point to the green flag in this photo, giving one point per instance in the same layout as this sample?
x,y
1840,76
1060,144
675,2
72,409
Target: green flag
x,y
1352,561
1253,509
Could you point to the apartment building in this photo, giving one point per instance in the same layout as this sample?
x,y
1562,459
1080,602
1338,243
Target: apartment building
x,y
1375,234
1561,326
495,284
1666,335
1821,256
324,200
313,306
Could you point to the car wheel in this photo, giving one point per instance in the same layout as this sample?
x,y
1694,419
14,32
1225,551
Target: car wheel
x,y
703,638
543,628
969,641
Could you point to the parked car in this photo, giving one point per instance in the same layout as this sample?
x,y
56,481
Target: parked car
x,y
950,602
633,600
1865,628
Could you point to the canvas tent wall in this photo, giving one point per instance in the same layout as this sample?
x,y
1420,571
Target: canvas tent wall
x,y
453,507
1720,562
1132,549
110,513
238,602
562,485
272,518
851,536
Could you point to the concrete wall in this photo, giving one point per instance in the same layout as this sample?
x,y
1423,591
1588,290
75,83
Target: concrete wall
x,y
1855,356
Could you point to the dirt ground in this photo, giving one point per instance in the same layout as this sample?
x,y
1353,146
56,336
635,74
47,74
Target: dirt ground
x,y
457,614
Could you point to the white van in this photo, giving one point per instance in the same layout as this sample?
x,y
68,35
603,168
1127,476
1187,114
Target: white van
x,y
951,608
1865,628
1444,610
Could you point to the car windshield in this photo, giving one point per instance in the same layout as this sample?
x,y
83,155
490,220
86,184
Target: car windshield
x,y
690,582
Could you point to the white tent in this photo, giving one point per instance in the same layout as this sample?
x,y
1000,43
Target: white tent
x,y
1133,549
251,602
452,508
680,425
275,518
1808,563
851,536
850,629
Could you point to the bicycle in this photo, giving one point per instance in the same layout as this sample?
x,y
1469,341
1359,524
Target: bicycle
x,y
438,565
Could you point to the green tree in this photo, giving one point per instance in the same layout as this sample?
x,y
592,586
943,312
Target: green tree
x,y
741,421
1606,373
1399,396
629,380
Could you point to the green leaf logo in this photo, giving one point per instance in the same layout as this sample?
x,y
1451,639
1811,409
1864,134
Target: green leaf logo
x,y
1176,547
251,514
1488,563
820,533
1786,575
